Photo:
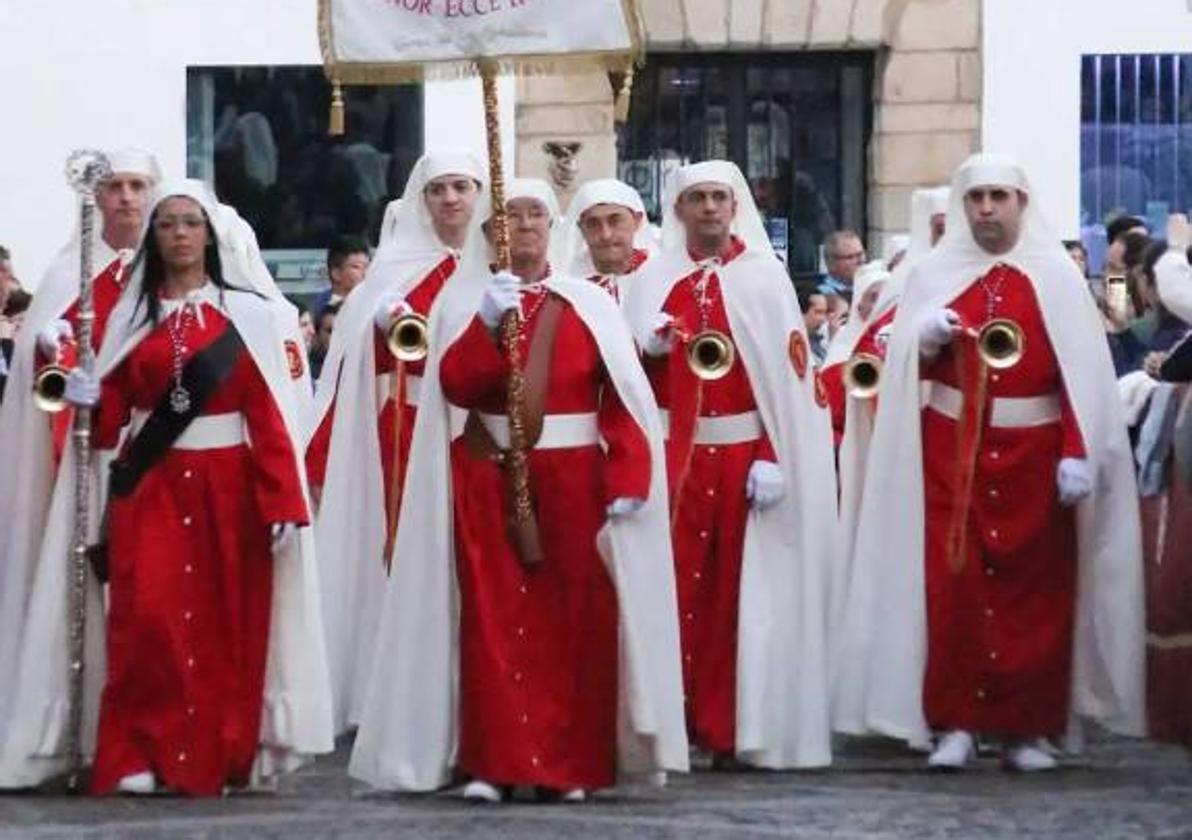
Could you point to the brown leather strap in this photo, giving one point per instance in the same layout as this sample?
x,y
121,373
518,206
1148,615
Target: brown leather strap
x,y
538,366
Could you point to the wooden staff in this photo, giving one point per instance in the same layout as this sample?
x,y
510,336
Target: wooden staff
x,y
523,528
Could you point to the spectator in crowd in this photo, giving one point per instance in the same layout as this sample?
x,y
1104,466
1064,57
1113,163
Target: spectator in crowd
x,y
13,303
324,326
1134,331
306,323
1079,254
7,279
844,254
347,261
814,304
1116,232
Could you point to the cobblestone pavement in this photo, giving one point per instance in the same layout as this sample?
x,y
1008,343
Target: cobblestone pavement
x,y
1118,789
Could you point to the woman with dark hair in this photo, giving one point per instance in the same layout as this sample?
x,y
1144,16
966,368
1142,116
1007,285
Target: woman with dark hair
x,y
208,579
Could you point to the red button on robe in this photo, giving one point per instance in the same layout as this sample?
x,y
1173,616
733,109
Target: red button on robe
x,y
538,649
709,515
191,573
395,445
1000,609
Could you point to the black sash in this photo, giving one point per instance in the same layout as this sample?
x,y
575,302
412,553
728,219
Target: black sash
x,y
201,377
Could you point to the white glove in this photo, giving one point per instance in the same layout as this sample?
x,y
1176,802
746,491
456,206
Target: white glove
x,y
390,307
1074,480
502,295
765,485
625,507
936,331
662,337
50,339
82,389
281,533
1179,233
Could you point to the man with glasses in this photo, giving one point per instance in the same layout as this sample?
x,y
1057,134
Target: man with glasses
x,y
844,255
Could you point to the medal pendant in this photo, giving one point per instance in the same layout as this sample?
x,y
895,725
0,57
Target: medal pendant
x,y
179,400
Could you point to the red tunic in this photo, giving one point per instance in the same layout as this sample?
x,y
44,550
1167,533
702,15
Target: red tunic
x,y
1000,608
191,580
106,290
538,649
421,298
709,514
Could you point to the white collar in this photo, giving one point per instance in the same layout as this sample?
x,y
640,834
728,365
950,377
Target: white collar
x,y
208,293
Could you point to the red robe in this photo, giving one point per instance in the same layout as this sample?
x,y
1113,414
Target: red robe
x,y
191,579
395,443
709,512
1000,607
106,290
538,649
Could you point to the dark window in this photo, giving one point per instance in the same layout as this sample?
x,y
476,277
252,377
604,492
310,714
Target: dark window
x,y
1135,141
259,134
798,124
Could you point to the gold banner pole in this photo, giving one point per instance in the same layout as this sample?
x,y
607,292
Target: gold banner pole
x,y
523,527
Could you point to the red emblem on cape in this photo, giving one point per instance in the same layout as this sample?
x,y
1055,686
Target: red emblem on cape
x,y
798,353
821,391
294,357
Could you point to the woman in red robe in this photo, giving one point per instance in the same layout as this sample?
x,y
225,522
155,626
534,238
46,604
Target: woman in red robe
x,y
191,543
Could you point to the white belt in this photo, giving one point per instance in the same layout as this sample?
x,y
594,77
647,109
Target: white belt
x,y
1007,412
207,431
559,431
384,385
723,431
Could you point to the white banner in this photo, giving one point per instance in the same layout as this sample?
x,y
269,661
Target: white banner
x,y
418,32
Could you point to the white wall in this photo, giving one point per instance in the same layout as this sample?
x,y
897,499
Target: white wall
x,y
1032,52
111,73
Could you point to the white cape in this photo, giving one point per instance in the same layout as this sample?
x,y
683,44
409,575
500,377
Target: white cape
x,y
350,523
782,667
28,478
409,729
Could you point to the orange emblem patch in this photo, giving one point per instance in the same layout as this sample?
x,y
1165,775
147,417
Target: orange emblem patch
x,y
821,391
294,357
798,353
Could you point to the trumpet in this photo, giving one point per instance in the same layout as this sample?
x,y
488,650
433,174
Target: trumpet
x,y
407,338
710,355
49,388
863,376
1000,343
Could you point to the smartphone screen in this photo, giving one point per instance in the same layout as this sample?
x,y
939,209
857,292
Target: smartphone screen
x,y
1116,296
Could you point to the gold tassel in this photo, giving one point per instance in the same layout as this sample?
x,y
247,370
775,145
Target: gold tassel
x,y
624,96
335,122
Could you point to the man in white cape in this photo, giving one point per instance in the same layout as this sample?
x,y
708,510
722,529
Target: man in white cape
x,y
296,719
32,439
358,439
957,554
438,703
606,235
752,477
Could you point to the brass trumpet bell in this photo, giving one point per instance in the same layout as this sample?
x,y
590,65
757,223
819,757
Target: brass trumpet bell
x,y
710,355
1001,343
49,389
863,376
407,338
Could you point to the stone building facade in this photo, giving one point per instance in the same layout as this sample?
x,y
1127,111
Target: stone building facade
x,y
926,92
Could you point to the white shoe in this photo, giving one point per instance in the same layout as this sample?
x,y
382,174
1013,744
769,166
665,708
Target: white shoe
x,y
1029,757
575,796
478,791
954,751
138,784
